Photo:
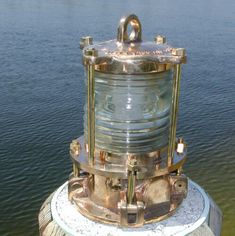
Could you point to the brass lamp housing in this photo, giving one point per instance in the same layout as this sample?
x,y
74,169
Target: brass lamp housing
x,y
129,189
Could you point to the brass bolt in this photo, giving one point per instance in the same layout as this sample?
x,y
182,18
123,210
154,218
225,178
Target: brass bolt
x,y
160,39
85,41
178,52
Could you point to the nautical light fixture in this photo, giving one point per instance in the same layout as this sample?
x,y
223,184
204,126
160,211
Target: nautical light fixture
x,y
127,168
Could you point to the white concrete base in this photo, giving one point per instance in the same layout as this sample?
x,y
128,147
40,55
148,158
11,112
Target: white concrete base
x,y
198,215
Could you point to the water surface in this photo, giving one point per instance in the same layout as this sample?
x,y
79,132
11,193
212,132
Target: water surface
x,y
42,94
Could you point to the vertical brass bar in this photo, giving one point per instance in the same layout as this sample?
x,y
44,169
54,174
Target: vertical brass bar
x,y
132,168
91,108
174,111
76,171
131,187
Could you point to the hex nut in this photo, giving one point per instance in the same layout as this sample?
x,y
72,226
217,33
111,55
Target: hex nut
x,y
85,41
75,147
160,39
178,52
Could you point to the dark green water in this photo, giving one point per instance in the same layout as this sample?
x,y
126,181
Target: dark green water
x,y
41,94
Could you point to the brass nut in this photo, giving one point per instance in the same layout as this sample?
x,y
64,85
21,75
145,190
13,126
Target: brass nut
x,y
133,162
160,39
178,52
85,41
132,165
75,147
91,52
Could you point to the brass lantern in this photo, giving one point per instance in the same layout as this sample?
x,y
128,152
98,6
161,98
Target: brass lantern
x,y
127,168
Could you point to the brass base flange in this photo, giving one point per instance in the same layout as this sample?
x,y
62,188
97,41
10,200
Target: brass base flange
x,y
104,200
135,191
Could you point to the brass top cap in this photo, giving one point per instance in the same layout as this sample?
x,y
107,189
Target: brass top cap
x,y
128,54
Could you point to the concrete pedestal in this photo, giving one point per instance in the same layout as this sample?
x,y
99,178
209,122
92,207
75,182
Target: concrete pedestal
x,y
198,215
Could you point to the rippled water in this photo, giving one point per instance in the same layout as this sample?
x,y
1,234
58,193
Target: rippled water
x,y
41,94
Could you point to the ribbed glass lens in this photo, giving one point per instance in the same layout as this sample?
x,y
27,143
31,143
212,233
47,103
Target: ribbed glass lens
x,y
132,112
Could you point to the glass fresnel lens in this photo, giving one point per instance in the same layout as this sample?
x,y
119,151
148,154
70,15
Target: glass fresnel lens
x,y
127,168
